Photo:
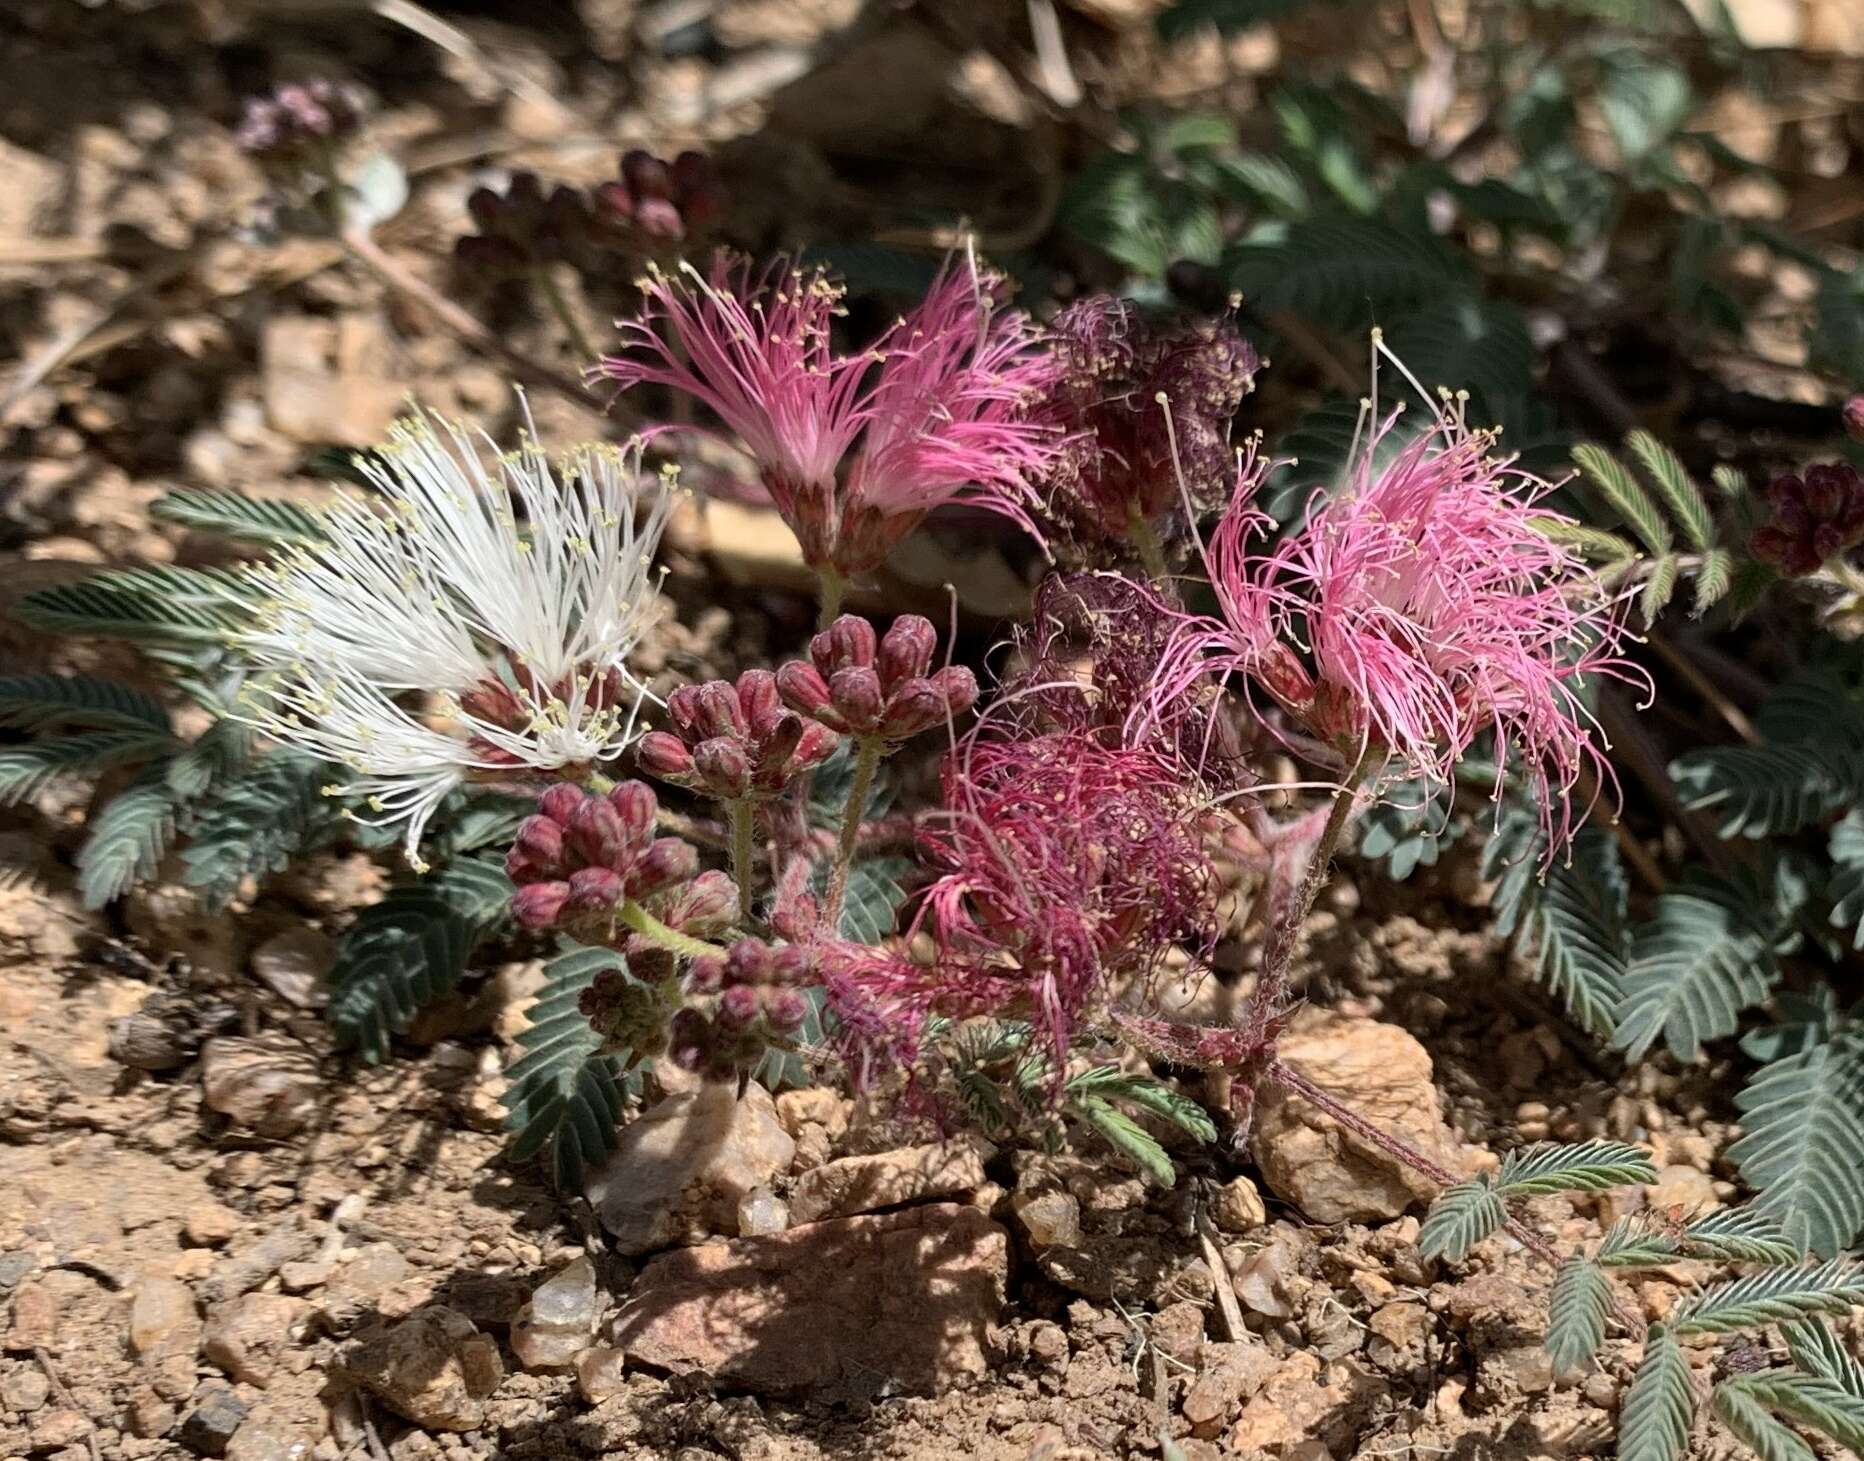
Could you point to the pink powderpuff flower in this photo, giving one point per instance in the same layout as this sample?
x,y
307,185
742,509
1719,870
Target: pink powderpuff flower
x,y
1429,606
1069,868
938,404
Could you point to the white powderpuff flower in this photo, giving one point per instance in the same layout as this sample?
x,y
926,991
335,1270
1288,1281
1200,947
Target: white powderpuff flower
x,y
507,587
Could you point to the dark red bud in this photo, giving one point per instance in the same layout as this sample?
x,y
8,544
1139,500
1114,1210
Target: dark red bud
x,y
538,905
637,806
598,836
759,700
540,840
784,1010
779,743
739,1006
657,218
708,902
816,746
792,964
1852,413
856,693
560,802
706,975
848,642
683,707
724,767
914,707
689,1039
803,687
958,686
594,889
748,962
663,754
666,862
614,202
493,702
691,170
1825,493
906,650
646,175
719,713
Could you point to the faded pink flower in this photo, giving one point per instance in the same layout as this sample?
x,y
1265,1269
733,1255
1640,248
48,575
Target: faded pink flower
x,y
1418,607
937,405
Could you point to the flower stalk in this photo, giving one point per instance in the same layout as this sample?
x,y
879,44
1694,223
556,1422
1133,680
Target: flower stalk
x,y
743,817
633,916
867,756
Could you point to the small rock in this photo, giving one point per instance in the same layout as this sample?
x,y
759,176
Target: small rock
x,y
1296,1405
163,1320
210,1224
600,1373
293,965
252,1264
310,397
56,1428
1520,1369
285,1424
1237,1206
814,1105
14,1267
555,1326
150,1416
1177,1332
24,1391
302,1277
248,1336
1332,1175
359,1285
1264,1280
681,1169
433,1368
902,1300
266,1082
1232,1373
1048,1219
761,1213
1685,1187
217,1413
888,1179
1396,1329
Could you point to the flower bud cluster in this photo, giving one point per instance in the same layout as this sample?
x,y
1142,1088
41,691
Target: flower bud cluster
x,y
583,854
880,687
1815,517
652,206
732,741
296,119
630,1014
758,998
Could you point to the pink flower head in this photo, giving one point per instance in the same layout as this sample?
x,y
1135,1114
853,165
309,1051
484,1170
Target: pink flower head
x,y
937,404
1068,866
1428,607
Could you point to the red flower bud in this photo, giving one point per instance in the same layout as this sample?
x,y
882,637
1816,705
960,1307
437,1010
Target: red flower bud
x,y
540,841
748,962
724,766
689,1039
708,903
538,905
595,889
816,746
635,803
792,964
683,707
784,1010
663,754
667,861
803,688
706,975
614,203
1853,416
847,643
598,835
719,713
775,749
739,1007
914,707
646,175
560,802
856,693
657,218
906,651
958,686
759,700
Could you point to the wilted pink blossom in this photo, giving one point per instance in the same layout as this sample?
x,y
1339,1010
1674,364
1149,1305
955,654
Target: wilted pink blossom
x,y
1419,606
937,405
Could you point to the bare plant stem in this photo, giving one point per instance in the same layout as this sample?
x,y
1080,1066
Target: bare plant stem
x,y
559,306
1151,552
866,762
634,916
831,586
743,819
1268,1000
1285,1075
398,277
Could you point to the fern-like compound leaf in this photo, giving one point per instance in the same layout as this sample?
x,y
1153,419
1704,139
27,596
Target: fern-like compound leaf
x,y
1695,966
1660,1406
1590,1166
271,522
1817,1401
1689,509
35,702
1819,1352
1767,790
1126,1136
1739,1405
257,822
564,1094
1770,1296
1461,1217
1582,1295
159,604
1626,496
410,949
1592,543
1740,1234
1847,886
1801,1119
26,769
127,840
